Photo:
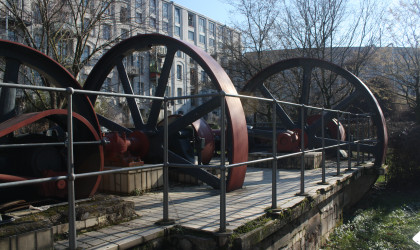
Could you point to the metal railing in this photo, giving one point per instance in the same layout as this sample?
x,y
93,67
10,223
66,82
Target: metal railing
x,y
223,166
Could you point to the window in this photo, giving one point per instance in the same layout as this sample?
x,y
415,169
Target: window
x,y
124,15
107,84
190,19
203,76
139,18
220,31
141,89
152,22
124,34
179,93
106,29
38,40
141,65
62,45
179,54
202,39
86,23
168,91
212,29
139,4
202,25
177,16
86,52
179,72
229,34
165,27
165,10
37,14
191,35
106,6
178,31
212,42
152,6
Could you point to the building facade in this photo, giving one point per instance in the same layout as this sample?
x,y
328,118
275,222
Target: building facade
x,y
127,18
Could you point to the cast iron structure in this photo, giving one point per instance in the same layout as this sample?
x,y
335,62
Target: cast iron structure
x,y
360,94
47,156
238,146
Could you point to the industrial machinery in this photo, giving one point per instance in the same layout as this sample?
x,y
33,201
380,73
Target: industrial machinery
x,y
178,128
302,78
21,126
140,141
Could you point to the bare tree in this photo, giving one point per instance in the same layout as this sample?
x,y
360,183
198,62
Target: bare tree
x,y
332,30
257,30
338,31
404,68
72,32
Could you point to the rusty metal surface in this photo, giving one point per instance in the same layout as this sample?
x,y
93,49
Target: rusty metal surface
x,y
221,81
88,159
361,92
203,130
17,55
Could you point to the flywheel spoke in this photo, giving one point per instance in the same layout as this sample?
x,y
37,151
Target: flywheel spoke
x,y
161,87
284,117
132,105
192,116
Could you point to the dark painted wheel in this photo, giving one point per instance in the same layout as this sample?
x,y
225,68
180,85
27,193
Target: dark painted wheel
x,y
116,57
303,78
24,65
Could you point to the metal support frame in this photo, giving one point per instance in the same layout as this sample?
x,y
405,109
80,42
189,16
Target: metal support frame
x,y
358,140
274,163
302,149
363,136
349,153
222,164
338,144
165,163
70,171
368,136
323,146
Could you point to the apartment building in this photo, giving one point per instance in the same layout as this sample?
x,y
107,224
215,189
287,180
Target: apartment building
x,y
126,18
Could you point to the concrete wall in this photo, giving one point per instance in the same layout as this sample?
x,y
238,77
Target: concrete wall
x,y
304,226
307,225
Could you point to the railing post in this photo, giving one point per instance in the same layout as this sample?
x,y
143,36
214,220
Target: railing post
x,y
338,144
363,136
274,166
222,164
70,171
358,143
349,142
323,146
165,163
302,148
368,136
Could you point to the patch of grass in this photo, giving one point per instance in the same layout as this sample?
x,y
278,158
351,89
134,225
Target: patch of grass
x,y
386,219
251,225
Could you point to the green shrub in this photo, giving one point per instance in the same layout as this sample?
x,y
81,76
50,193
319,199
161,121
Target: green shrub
x,y
404,158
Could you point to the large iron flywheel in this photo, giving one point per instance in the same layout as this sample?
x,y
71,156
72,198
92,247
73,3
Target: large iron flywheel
x,y
146,120
322,84
27,118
